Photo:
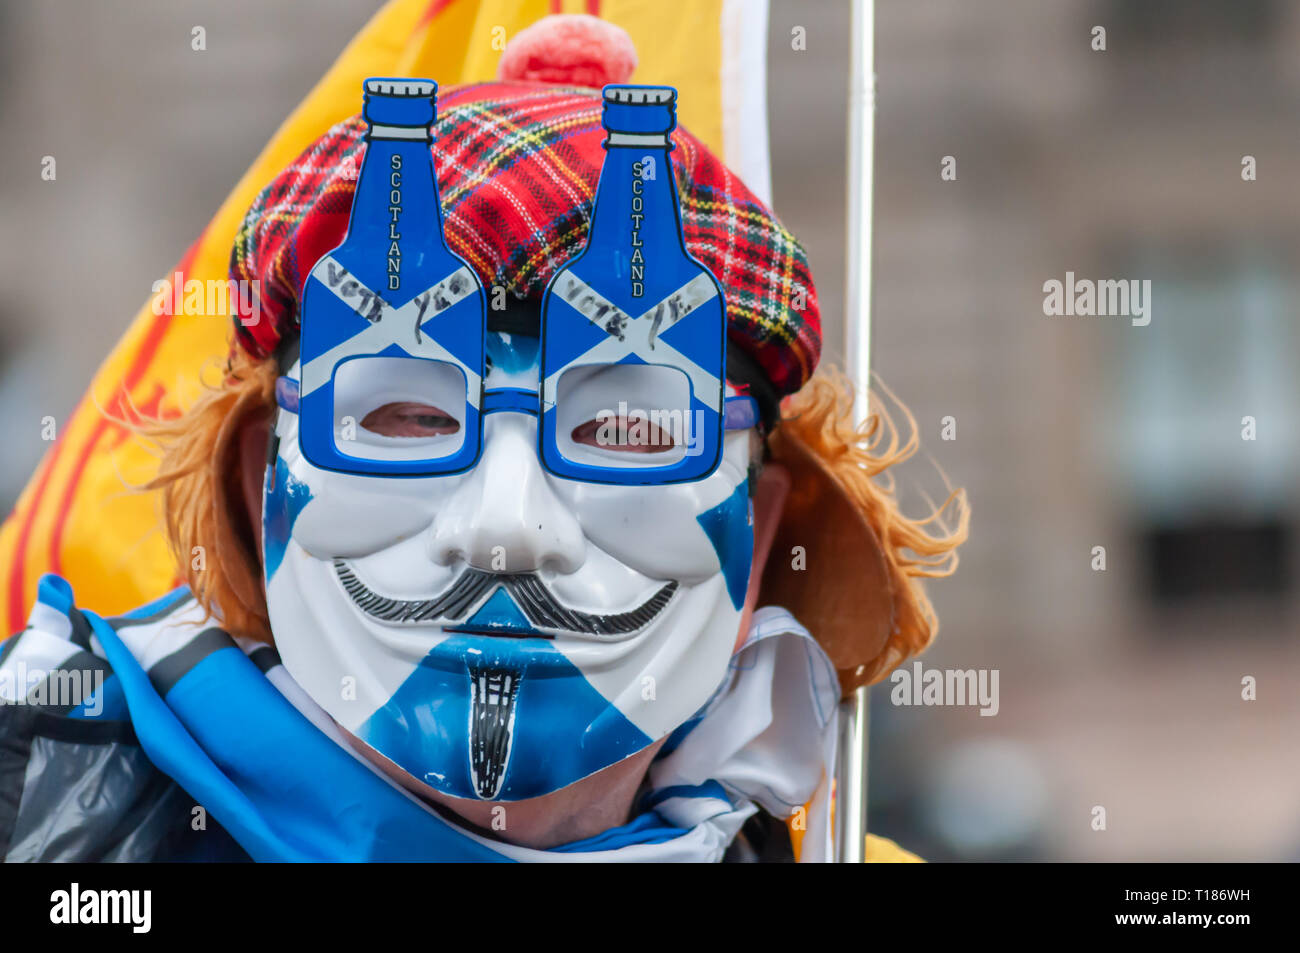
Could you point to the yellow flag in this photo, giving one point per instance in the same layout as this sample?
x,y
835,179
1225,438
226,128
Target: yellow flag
x,y
79,516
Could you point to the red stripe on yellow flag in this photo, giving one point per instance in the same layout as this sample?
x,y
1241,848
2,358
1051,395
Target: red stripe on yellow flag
x,y
79,515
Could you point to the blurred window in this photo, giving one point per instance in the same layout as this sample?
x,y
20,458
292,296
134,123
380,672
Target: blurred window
x,y
1152,24
1171,56
1215,511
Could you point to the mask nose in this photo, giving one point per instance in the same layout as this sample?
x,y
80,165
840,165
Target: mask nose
x,y
504,516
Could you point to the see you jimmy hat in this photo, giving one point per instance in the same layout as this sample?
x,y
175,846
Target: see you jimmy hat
x,y
517,165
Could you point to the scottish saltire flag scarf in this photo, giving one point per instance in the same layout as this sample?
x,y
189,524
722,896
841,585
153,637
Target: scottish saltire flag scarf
x,y
230,726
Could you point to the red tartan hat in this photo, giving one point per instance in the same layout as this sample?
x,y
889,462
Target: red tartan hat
x,y
517,165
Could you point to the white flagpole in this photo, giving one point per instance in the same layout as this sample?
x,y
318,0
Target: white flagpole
x,y
851,763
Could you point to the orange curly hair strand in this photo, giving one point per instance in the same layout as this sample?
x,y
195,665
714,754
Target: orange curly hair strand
x,y
859,458
202,498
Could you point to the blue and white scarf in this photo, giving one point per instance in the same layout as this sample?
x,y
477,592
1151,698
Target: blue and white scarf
x,y
226,721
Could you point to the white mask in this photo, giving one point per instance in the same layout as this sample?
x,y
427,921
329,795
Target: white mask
x,y
497,612
504,632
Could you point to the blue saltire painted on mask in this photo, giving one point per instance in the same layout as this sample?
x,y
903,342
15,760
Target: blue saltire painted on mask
x,y
563,731
283,789
730,528
500,614
513,353
285,499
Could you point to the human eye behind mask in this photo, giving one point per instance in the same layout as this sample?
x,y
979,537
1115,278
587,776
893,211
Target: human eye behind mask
x,y
407,418
634,432
625,415
398,408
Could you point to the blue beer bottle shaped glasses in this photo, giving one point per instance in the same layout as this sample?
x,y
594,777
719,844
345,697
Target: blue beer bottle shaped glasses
x,y
633,329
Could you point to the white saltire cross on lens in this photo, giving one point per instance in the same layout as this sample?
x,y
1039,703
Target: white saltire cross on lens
x,y
630,335
395,325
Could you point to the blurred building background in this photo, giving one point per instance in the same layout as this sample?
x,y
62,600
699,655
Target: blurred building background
x,y
1119,689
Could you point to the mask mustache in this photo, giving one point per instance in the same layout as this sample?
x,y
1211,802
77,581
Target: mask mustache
x,y
536,602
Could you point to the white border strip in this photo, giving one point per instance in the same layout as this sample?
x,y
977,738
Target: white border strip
x,y
744,94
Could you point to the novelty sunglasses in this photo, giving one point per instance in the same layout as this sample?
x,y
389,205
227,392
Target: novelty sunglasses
x,y
396,353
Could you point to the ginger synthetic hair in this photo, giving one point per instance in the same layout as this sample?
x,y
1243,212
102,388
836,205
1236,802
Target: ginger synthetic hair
x,y
821,417
199,479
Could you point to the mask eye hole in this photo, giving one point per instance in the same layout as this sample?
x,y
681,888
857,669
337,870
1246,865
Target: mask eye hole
x,y
633,433
398,408
625,415
407,418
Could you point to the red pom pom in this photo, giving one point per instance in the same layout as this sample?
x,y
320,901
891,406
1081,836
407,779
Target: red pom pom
x,y
571,49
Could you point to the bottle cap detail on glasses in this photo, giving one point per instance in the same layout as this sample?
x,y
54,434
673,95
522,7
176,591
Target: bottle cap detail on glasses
x,y
399,108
